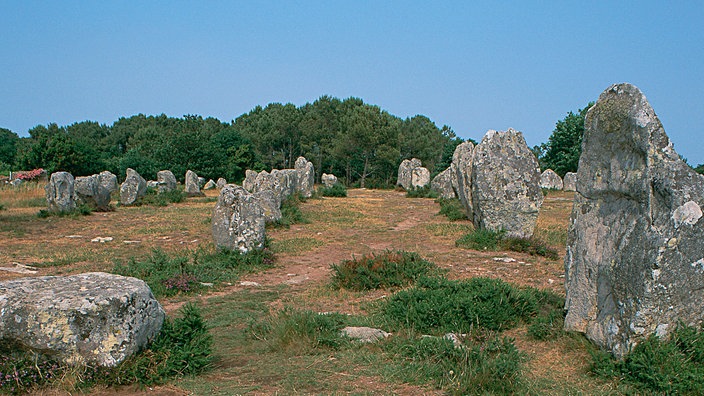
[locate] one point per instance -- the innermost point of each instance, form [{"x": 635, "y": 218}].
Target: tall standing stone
[
  {"x": 133, "y": 188},
  {"x": 306, "y": 177},
  {"x": 635, "y": 259},
  {"x": 505, "y": 184},
  {"x": 89, "y": 191},
  {"x": 550, "y": 180},
  {"x": 570, "y": 181},
  {"x": 462, "y": 165},
  {"x": 192, "y": 184},
  {"x": 238, "y": 220},
  {"x": 166, "y": 181},
  {"x": 405, "y": 172},
  {"x": 60, "y": 193},
  {"x": 328, "y": 180},
  {"x": 442, "y": 183},
  {"x": 108, "y": 180},
  {"x": 249, "y": 180}
]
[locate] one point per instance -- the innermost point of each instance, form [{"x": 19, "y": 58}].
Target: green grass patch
[
  {"x": 422, "y": 192},
  {"x": 168, "y": 275},
  {"x": 668, "y": 367},
  {"x": 389, "y": 269},
  {"x": 154, "y": 198},
  {"x": 81, "y": 210},
  {"x": 452, "y": 209},
  {"x": 337, "y": 190},
  {"x": 290, "y": 212},
  {"x": 295, "y": 245},
  {"x": 2, "y": 207},
  {"x": 483, "y": 239}
]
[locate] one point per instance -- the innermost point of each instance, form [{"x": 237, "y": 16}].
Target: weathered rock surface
[
  {"x": 635, "y": 259},
  {"x": 250, "y": 177},
  {"x": 420, "y": 177},
  {"x": 405, "y": 172},
  {"x": 166, "y": 181},
  {"x": 306, "y": 177},
  {"x": 209, "y": 185},
  {"x": 462, "y": 164},
  {"x": 271, "y": 209},
  {"x": 442, "y": 183},
  {"x": 288, "y": 182},
  {"x": 108, "y": 180},
  {"x": 569, "y": 183},
  {"x": 550, "y": 180},
  {"x": 364, "y": 334},
  {"x": 221, "y": 183},
  {"x": 328, "y": 180},
  {"x": 90, "y": 192},
  {"x": 60, "y": 193},
  {"x": 192, "y": 184},
  {"x": 238, "y": 220},
  {"x": 505, "y": 184},
  {"x": 93, "y": 318},
  {"x": 133, "y": 188}
]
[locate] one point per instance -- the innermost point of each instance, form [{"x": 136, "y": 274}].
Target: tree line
[{"x": 360, "y": 143}]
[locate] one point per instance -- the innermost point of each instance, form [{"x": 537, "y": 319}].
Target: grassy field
[{"x": 247, "y": 322}]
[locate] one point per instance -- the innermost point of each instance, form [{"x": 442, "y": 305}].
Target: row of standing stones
[{"x": 634, "y": 261}]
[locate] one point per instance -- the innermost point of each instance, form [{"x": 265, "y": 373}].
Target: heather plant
[
  {"x": 483, "y": 239},
  {"x": 421, "y": 192},
  {"x": 336, "y": 190},
  {"x": 390, "y": 269}
]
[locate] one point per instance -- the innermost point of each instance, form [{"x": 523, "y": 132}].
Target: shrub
[
  {"x": 154, "y": 198},
  {"x": 337, "y": 190},
  {"x": 452, "y": 209},
  {"x": 380, "y": 271},
  {"x": 483, "y": 239},
  {"x": 2, "y": 207},
  {"x": 674, "y": 366},
  {"x": 422, "y": 192},
  {"x": 184, "y": 272},
  {"x": 81, "y": 210}
]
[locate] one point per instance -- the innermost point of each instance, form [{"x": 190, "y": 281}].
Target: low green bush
[
  {"x": 154, "y": 198},
  {"x": 337, "y": 190},
  {"x": 483, "y": 239},
  {"x": 81, "y": 210},
  {"x": 2, "y": 207},
  {"x": 452, "y": 209},
  {"x": 290, "y": 212},
  {"x": 380, "y": 271},
  {"x": 168, "y": 275},
  {"x": 422, "y": 192},
  {"x": 668, "y": 367}
]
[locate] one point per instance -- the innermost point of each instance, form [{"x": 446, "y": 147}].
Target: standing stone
[
  {"x": 220, "y": 183},
  {"x": 269, "y": 181},
  {"x": 570, "y": 182},
  {"x": 238, "y": 220},
  {"x": 420, "y": 177},
  {"x": 108, "y": 180},
  {"x": 60, "y": 194},
  {"x": 442, "y": 183},
  {"x": 192, "y": 184},
  {"x": 550, "y": 180},
  {"x": 462, "y": 164},
  {"x": 166, "y": 181},
  {"x": 271, "y": 209},
  {"x": 405, "y": 172},
  {"x": 505, "y": 184},
  {"x": 90, "y": 192},
  {"x": 288, "y": 182},
  {"x": 328, "y": 180},
  {"x": 209, "y": 185},
  {"x": 249, "y": 180},
  {"x": 93, "y": 318},
  {"x": 133, "y": 188},
  {"x": 635, "y": 259},
  {"x": 306, "y": 177}
]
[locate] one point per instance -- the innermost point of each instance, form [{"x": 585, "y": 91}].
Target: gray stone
[
  {"x": 405, "y": 172},
  {"x": 220, "y": 183},
  {"x": 133, "y": 188},
  {"x": 442, "y": 183},
  {"x": 569, "y": 183},
  {"x": 550, "y": 180},
  {"x": 166, "y": 181},
  {"x": 270, "y": 205},
  {"x": 505, "y": 184},
  {"x": 364, "y": 334},
  {"x": 89, "y": 191},
  {"x": 462, "y": 165},
  {"x": 16, "y": 183},
  {"x": 108, "y": 180},
  {"x": 634, "y": 263},
  {"x": 306, "y": 177},
  {"x": 209, "y": 185},
  {"x": 249, "y": 179},
  {"x": 93, "y": 318},
  {"x": 238, "y": 220},
  {"x": 60, "y": 193},
  {"x": 328, "y": 180},
  {"x": 192, "y": 184},
  {"x": 287, "y": 182},
  {"x": 420, "y": 177}
]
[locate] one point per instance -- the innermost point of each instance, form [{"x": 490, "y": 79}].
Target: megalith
[
  {"x": 634, "y": 263},
  {"x": 550, "y": 180},
  {"x": 462, "y": 165},
  {"x": 89, "y": 191},
  {"x": 306, "y": 177},
  {"x": 569, "y": 182},
  {"x": 60, "y": 193},
  {"x": 442, "y": 183},
  {"x": 328, "y": 180},
  {"x": 192, "y": 184},
  {"x": 238, "y": 220},
  {"x": 108, "y": 180},
  {"x": 133, "y": 188},
  {"x": 249, "y": 180},
  {"x": 505, "y": 184},
  {"x": 405, "y": 172},
  {"x": 420, "y": 177},
  {"x": 166, "y": 181},
  {"x": 92, "y": 318}
]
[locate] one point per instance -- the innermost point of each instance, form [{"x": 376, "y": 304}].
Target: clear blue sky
[{"x": 471, "y": 65}]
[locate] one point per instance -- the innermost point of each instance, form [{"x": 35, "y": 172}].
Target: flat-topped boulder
[
  {"x": 93, "y": 318},
  {"x": 634, "y": 263}
]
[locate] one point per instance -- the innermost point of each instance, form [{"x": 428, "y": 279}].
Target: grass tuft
[
  {"x": 452, "y": 209},
  {"x": 81, "y": 210},
  {"x": 422, "y": 192},
  {"x": 381, "y": 271},
  {"x": 154, "y": 198},
  {"x": 483, "y": 239}
]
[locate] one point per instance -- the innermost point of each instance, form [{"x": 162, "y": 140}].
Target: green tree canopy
[
  {"x": 8, "y": 148},
  {"x": 562, "y": 150}
]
